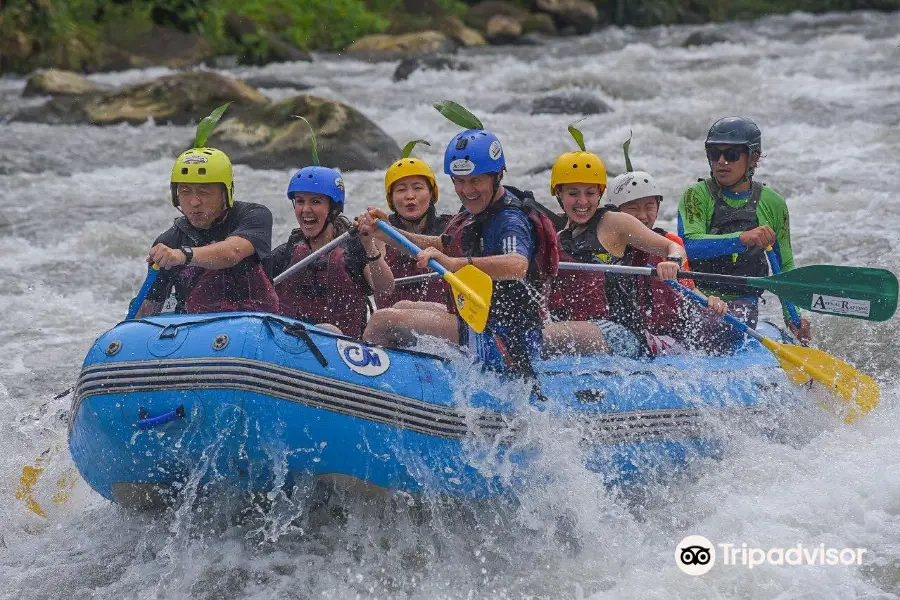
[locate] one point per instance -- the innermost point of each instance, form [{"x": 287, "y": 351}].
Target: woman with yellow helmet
[
  {"x": 412, "y": 193},
  {"x": 598, "y": 312},
  {"x": 211, "y": 257}
]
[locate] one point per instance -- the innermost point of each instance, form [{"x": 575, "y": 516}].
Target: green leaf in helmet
[
  {"x": 577, "y": 135},
  {"x": 315, "y": 146},
  {"x": 207, "y": 124},
  {"x": 458, "y": 114},
  {"x": 408, "y": 148},
  {"x": 625, "y": 148}
]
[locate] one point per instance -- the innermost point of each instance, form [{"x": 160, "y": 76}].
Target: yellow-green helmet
[
  {"x": 203, "y": 165},
  {"x": 578, "y": 167}
]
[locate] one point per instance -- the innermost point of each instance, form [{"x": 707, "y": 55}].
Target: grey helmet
[{"x": 736, "y": 130}]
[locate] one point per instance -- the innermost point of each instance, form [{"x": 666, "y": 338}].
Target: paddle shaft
[
  {"x": 314, "y": 256},
  {"x": 733, "y": 321},
  {"x": 776, "y": 268},
  {"x": 135, "y": 305}
]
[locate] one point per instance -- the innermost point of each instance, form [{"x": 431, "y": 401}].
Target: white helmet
[{"x": 631, "y": 186}]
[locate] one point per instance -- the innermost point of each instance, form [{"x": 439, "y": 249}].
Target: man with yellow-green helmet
[{"x": 210, "y": 259}]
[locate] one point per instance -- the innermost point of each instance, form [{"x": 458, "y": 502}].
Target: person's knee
[
  {"x": 329, "y": 327},
  {"x": 382, "y": 325}
]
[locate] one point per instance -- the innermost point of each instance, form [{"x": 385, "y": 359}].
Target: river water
[{"x": 79, "y": 207}]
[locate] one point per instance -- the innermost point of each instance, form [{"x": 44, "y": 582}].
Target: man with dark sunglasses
[{"x": 728, "y": 221}]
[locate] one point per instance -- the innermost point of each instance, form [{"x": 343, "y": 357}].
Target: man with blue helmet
[
  {"x": 333, "y": 290},
  {"x": 499, "y": 230}
]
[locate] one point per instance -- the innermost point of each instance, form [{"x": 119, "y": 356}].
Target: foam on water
[{"x": 80, "y": 205}]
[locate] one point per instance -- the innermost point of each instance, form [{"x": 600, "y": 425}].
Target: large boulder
[
  {"x": 55, "y": 82},
  {"x": 503, "y": 30},
  {"x": 276, "y": 83},
  {"x": 703, "y": 38},
  {"x": 408, "y": 66},
  {"x": 539, "y": 23},
  {"x": 179, "y": 99},
  {"x": 261, "y": 46},
  {"x": 573, "y": 103},
  {"x": 164, "y": 46},
  {"x": 270, "y": 137},
  {"x": 456, "y": 30},
  {"x": 382, "y": 45},
  {"x": 479, "y": 15},
  {"x": 580, "y": 14}
]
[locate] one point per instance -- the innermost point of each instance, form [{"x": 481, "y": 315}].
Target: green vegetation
[{"x": 85, "y": 35}]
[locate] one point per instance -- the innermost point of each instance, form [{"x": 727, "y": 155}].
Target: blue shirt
[{"x": 509, "y": 232}]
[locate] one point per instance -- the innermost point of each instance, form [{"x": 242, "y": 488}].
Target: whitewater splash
[{"x": 80, "y": 206}]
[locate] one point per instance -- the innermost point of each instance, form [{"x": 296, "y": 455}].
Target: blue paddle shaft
[
  {"x": 734, "y": 322},
  {"x": 408, "y": 245},
  {"x": 776, "y": 268},
  {"x": 135, "y": 305}
]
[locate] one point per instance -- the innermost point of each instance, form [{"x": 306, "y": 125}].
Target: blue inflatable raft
[{"x": 255, "y": 401}]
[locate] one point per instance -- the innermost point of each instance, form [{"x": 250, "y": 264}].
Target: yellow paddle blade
[
  {"x": 25, "y": 491},
  {"x": 472, "y": 291},
  {"x": 849, "y": 384}
]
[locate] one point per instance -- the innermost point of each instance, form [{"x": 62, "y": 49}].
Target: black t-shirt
[
  {"x": 253, "y": 222},
  {"x": 354, "y": 258}
]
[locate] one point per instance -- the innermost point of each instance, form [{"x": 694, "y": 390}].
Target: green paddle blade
[{"x": 857, "y": 292}]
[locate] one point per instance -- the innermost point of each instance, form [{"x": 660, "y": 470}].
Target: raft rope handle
[{"x": 145, "y": 422}]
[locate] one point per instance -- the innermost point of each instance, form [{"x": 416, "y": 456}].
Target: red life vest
[
  {"x": 242, "y": 287},
  {"x": 324, "y": 292},
  {"x": 581, "y": 295},
  {"x": 661, "y": 306},
  {"x": 402, "y": 264}
]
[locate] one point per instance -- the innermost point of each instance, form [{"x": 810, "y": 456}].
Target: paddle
[
  {"x": 135, "y": 305},
  {"x": 802, "y": 364},
  {"x": 302, "y": 264},
  {"x": 471, "y": 287},
  {"x": 776, "y": 269},
  {"x": 857, "y": 292}
]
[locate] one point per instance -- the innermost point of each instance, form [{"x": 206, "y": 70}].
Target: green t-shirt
[{"x": 695, "y": 212}]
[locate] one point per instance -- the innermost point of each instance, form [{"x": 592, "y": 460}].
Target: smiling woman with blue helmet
[{"x": 334, "y": 289}]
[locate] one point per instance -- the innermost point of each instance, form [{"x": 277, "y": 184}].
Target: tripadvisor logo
[{"x": 696, "y": 555}]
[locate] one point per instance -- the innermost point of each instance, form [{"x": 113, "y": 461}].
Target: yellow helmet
[
  {"x": 203, "y": 165},
  {"x": 578, "y": 167},
  {"x": 408, "y": 167}
]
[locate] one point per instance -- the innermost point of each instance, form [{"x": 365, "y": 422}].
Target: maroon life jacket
[
  {"x": 402, "y": 264},
  {"x": 324, "y": 292},
  {"x": 578, "y": 295},
  {"x": 242, "y": 287},
  {"x": 581, "y": 295}
]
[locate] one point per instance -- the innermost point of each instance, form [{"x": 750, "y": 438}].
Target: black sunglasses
[{"x": 730, "y": 154}]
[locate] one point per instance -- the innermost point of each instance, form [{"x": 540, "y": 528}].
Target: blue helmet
[
  {"x": 739, "y": 131},
  {"x": 473, "y": 152},
  {"x": 318, "y": 180}
]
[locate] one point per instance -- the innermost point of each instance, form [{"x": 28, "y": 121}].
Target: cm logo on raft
[{"x": 364, "y": 360}]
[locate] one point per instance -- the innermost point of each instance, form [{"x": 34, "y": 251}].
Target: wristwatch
[
  {"x": 188, "y": 254},
  {"x": 676, "y": 258}
]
